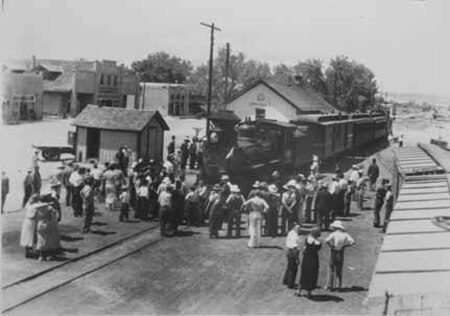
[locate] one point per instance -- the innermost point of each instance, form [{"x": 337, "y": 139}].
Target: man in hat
[
  {"x": 288, "y": 203},
  {"x": 184, "y": 152},
  {"x": 5, "y": 188},
  {"x": 27, "y": 187},
  {"x": 65, "y": 175},
  {"x": 323, "y": 207},
  {"x": 379, "y": 200},
  {"x": 234, "y": 204},
  {"x": 373, "y": 173},
  {"x": 87, "y": 196},
  {"x": 171, "y": 147},
  {"x": 55, "y": 193},
  {"x": 166, "y": 210},
  {"x": 124, "y": 199},
  {"x": 256, "y": 206},
  {"x": 337, "y": 240},
  {"x": 310, "y": 189},
  {"x": 275, "y": 178},
  {"x": 354, "y": 174},
  {"x": 388, "y": 205},
  {"x": 273, "y": 200},
  {"x": 193, "y": 153},
  {"x": 335, "y": 190},
  {"x": 255, "y": 188},
  {"x": 76, "y": 183},
  {"x": 360, "y": 190},
  {"x": 215, "y": 212},
  {"x": 315, "y": 166}
]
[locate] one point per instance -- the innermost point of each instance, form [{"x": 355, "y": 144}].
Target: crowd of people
[{"x": 159, "y": 191}]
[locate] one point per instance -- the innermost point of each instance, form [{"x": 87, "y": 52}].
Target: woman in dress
[
  {"x": 28, "y": 231},
  {"x": 110, "y": 187},
  {"x": 310, "y": 262},
  {"x": 45, "y": 230}
]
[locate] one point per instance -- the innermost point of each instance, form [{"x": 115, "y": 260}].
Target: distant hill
[{"x": 438, "y": 100}]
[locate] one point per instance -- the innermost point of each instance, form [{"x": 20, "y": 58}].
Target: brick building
[
  {"x": 167, "y": 98},
  {"x": 70, "y": 85}
]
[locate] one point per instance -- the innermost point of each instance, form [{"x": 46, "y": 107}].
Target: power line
[{"x": 211, "y": 51}]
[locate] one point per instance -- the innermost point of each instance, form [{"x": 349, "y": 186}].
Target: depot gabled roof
[
  {"x": 117, "y": 118},
  {"x": 298, "y": 95}
]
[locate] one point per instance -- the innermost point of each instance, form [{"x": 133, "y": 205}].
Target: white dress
[{"x": 28, "y": 231}]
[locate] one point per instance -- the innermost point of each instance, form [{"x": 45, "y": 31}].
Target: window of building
[
  {"x": 102, "y": 79},
  {"x": 260, "y": 114},
  {"x": 115, "y": 81},
  {"x": 108, "y": 80}
]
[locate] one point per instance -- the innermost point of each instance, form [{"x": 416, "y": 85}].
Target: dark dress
[{"x": 310, "y": 266}]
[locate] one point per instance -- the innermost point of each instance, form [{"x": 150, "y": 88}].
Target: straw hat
[
  {"x": 337, "y": 224},
  {"x": 54, "y": 183},
  {"x": 273, "y": 188},
  {"x": 276, "y": 174},
  {"x": 235, "y": 188},
  {"x": 355, "y": 167},
  {"x": 216, "y": 187},
  {"x": 256, "y": 185},
  {"x": 292, "y": 184},
  {"x": 224, "y": 177}
]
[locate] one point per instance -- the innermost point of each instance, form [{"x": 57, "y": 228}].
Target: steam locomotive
[{"x": 243, "y": 149}]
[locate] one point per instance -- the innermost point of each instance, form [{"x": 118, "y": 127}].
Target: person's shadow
[
  {"x": 325, "y": 298},
  {"x": 353, "y": 288}
]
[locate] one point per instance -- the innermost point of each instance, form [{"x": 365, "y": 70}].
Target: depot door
[{"x": 93, "y": 143}]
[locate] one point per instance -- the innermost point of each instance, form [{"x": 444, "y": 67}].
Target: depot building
[{"x": 268, "y": 99}]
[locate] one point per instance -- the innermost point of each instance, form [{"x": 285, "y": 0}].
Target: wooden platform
[{"x": 415, "y": 255}]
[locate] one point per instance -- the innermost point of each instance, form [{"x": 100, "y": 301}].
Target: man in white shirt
[
  {"x": 256, "y": 206},
  {"x": 76, "y": 183},
  {"x": 293, "y": 242},
  {"x": 337, "y": 240}
]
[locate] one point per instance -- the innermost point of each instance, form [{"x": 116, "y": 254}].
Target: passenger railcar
[{"x": 269, "y": 144}]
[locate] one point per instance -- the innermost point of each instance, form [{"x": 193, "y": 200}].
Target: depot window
[{"x": 260, "y": 114}]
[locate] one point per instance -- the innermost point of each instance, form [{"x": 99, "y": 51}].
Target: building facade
[
  {"x": 267, "y": 99},
  {"x": 70, "y": 85},
  {"x": 167, "y": 98},
  {"x": 21, "y": 96}
]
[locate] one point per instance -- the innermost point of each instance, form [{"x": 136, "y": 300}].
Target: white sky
[{"x": 405, "y": 42}]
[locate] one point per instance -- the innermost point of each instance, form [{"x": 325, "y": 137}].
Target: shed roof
[
  {"x": 299, "y": 96},
  {"x": 117, "y": 118}
]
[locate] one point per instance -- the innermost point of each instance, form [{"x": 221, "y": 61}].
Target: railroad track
[{"x": 28, "y": 289}]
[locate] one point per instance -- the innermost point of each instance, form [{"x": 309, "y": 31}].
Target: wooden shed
[{"x": 100, "y": 131}]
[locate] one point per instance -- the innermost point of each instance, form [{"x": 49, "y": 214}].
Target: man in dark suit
[{"x": 324, "y": 205}]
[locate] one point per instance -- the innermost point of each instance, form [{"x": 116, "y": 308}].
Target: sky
[{"x": 405, "y": 42}]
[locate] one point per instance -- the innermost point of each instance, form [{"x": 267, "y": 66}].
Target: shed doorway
[{"x": 93, "y": 143}]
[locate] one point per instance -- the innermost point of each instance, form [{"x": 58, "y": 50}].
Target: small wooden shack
[{"x": 100, "y": 131}]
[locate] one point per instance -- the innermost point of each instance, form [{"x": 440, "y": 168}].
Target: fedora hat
[
  {"x": 256, "y": 185},
  {"x": 337, "y": 224},
  {"x": 54, "y": 183},
  {"x": 276, "y": 174},
  {"x": 234, "y": 188},
  {"x": 224, "y": 177},
  {"x": 292, "y": 184},
  {"x": 216, "y": 187},
  {"x": 273, "y": 188}
]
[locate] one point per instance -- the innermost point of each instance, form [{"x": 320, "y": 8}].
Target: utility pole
[
  {"x": 227, "y": 62},
  {"x": 211, "y": 51}
]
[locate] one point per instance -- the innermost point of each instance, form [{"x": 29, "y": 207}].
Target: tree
[
  {"x": 312, "y": 72},
  {"x": 241, "y": 73},
  {"x": 162, "y": 67},
  {"x": 283, "y": 73},
  {"x": 350, "y": 85}
]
